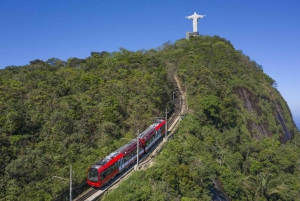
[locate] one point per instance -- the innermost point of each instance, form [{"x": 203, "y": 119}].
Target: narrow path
[{"x": 184, "y": 107}]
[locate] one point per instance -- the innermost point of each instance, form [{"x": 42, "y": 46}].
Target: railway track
[
  {"x": 87, "y": 194},
  {"x": 180, "y": 107}
]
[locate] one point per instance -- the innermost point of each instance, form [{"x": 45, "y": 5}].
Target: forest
[{"x": 238, "y": 129}]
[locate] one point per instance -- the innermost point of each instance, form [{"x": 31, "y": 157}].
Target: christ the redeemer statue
[{"x": 195, "y": 18}]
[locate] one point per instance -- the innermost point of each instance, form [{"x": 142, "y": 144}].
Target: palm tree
[{"x": 264, "y": 187}]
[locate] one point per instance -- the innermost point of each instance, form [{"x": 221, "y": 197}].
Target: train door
[{"x": 121, "y": 164}]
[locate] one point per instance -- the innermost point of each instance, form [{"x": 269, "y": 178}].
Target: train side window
[
  {"x": 108, "y": 171},
  {"x": 102, "y": 175},
  {"x": 114, "y": 167}
]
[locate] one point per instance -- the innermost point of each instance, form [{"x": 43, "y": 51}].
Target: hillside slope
[
  {"x": 239, "y": 132},
  {"x": 57, "y": 113}
]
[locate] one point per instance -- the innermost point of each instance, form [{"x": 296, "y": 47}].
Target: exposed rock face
[
  {"x": 261, "y": 129},
  {"x": 218, "y": 193}
]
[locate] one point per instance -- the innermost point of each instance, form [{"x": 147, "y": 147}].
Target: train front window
[{"x": 93, "y": 174}]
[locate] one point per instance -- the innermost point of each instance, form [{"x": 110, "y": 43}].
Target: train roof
[
  {"x": 155, "y": 126},
  {"x": 132, "y": 143}
]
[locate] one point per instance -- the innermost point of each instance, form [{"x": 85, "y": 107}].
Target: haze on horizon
[{"x": 267, "y": 31}]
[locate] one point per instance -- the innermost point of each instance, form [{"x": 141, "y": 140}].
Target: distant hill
[{"x": 237, "y": 137}]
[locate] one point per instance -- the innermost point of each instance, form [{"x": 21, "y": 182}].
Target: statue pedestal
[{"x": 191, "y": 34}]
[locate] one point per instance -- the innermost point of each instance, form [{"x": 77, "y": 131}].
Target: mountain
[
  {"x": 238, "y": 136},
  {"x": 238, "y": 140}
]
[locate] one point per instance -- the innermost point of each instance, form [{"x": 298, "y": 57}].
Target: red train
[{"x": 106, "y": 169}]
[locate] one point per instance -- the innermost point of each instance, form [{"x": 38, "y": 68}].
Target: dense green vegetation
[
  {"x": 237, "y": 129},
  {"x": 232, "y": 132},
  {"x": 57, "y": 113}
]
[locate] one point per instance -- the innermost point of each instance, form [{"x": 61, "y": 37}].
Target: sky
[{"x": 267, "y": 31}]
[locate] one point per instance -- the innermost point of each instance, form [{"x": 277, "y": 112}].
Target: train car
[{"x": 106, "y": 169}]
